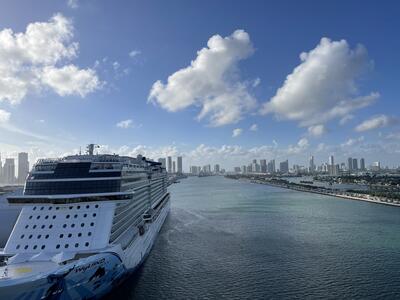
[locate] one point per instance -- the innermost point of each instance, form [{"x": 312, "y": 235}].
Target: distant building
[
  {"x": 23, "y": 167},
  {"x": 350, "y": 164},
  {"x": 163, "y": 162},
  {"x": 311, "y": 164},
  {"x": 173, "y": 167},
  {"x": 355, "y": 164},
  {"x": 331, "y": 160},
  {"x": 376, "y": 166},
  {"x": 263, "y": 165},
  {"x": 194, "y": 170},
  {"x": 216, "y": 168},
  {"x": 362, "y": 164},
  {"x": 284, "y": 167},
  {"x": 271, "y": 166},
  {"x": 243, "y": 169},
  {"x": 9, "y": 171},
  {"x": 180, "y": 166},
  {"x": 236, "y": 169},
  {"x": 169, "y": 158}
]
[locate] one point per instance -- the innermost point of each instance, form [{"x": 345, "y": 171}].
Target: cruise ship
[{"x": 86, "y": 222}]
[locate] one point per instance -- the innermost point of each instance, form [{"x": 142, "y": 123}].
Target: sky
[{"x": 214, "y": 81}]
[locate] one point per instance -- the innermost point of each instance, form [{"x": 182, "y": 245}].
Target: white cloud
[
  {"x": 393, "y": 136},
  {"x": 316, "y": 130},
  {"x": 236, "y": 132},
  {"x": 345, "y": 119},
  {"x": 352, "y": 142},
  {"x": 4, "y": 116},
  {"x": 27, "y": 58},
  {"x": 125, "y": 124},
  {"x": 300, "y": 147},
  {"x": 375, "y": 122},
  {"x": 254, "y": 127},
  {"x": 256, "y": 82},
  {"x": 211, "y": 82},
  {"x": 73, "y": 3},
  {"x": 323, "y": 86},
  {"x": 70, "y": 80},
  {"x": 134, "y": 53}
]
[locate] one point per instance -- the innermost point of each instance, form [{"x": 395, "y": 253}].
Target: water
[{"x": 227, "y": 239}]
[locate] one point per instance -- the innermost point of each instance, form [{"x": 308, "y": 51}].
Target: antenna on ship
[{"x": 90, "y": 148}]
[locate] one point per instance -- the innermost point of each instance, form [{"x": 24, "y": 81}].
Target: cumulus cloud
[
  {"x": 125, "y": 124},
  {"x": 301, "y": 145},
  {"x": 254, "y": 127},
  {"x": 375, "y": 122},
  {"x": 236, "y": 132},
  {"x": 211, "y": 82},
  {"x": 345, "y": 119},
  {"x": 352, "y": 142},
  {"x": 323, "y": 86},
  {"x": 4, "y": 116},
  {"x": 33, "y": 60},
  {"x": 73, "y": 3},
  {"x": 134, "y": 53},
  {"x": 316, "y": 130}
]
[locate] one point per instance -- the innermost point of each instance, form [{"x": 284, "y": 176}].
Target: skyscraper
[
  {"x": 179, "y": 162},
  {"x": 9, "y": 171},
  {"x": 350, "y": 164},
  {"x": 23, "y": 167},
  {"x": 173, "y": 167},
  {"x": 331, "y": 160},
  {"x": 163, "y": 162},
  {"x": 216, "y": 168},
  {"x": 284, "y": 166},
  {"x": 271, "y": 166},
  {"x": 355, "y": 164},
  {"x": 362, "y": 164},
  {"x": 263, "y": 164},
  {"x": 169, "y": 158},
  {"x": 311, "y": 164}
]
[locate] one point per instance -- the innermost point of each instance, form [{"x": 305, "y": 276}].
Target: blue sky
[{"x": 82, "y": 85}]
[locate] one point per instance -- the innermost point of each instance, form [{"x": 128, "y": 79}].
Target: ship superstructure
[{"x": 86, "y": 222}]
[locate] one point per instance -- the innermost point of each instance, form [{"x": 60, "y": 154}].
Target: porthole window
[
  {"x": 50, "y": 226},
  {"x": 76, "y": 245},
  {"x": 79, "y": 234},
  {"x": 97, "y": 206},
  {"x": 22, "y": 236},
  {"x": 26, "y": 226},
  {"x": 57, "y": 208},
  {"x": 47, "y": 236},
  {"x": 61, "y": 236},
  {"x": 67, "y": 216},
  {"x": 82, "y": 224},
  {"x": 73, "y": 225},
  {"x": 34, "y": 226},
  {"x": 78, "y": 207},
  {"x": 38, "y": 217},
  {"x": 43, "y": 226},
  {"x": 85, "y": 215},
  {"x": 34, "y": 247},
  {"x": 30, "y": 217},
  {"x": 89, "y": 233},
  {"x": 87, "y": 206},
  {"x": 39, "y": 236},
  {"x": 26, "y": 247},
  {"x": 46, "y": 217},
  {"x": 69, "y": 235},
  {"x": 75, "y": 216},
  {"x": 87, "y": 244},
  {"x": 66, "y": 246},
  {"x": 65, "y": 225},
  {"x": 42, "y": 208},
  {"x": 92, "y": 224},
  {"x": 94, "y": 215},
  {"x": 50, "y": 208},
  {"x": 30, "y": 236},
  {"x": 58, "y": 246},
  {"x": 70, "y": 207},
  {"x": 34, "y": 208},
  {"x": 43, "y": 246},
  {"x": 54, "y": 217},
  {"x": 18, "y": 246}
]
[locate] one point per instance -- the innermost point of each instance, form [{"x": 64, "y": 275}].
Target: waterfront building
[
  {"x": 236, "y": 169},
  {"x": 271, "y": 166},
  {"x": 23, "y": 167},
  {"x": 263, "y": 165},
  {"x": 376, "y": 166},
  {"x": 9, "y": 171},
  {"x": 355, "y": 164},
  {"x": 331, "y": 160},
  {"x": 350, "y": 164},
  {"x": 163, "y": 162},
  {"x": 180, "y": 166},
  {"x": 216, "y": 168},
  {"x": 362, "y": 164},
  {"x": 169, "y": 158},
  {"x": 173, "y": 167},
  {"x": 311, "y": 164},
  {"x": 284, "y": 167}
]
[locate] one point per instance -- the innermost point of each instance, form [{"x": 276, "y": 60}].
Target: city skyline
[{"x": 259, "y": 102}]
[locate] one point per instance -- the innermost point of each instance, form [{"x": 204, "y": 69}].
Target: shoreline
[{"x": 342, "y": 195}]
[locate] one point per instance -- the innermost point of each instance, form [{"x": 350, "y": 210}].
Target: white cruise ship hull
[{"x": 90, "y": 277}]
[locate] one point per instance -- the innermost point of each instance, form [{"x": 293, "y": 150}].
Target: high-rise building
[
  {"x": 169, "y": 158},
  {"x": 331, "y": 160},
  {"x": 376, "y": 166},
  {"x": 271, "y": 166},
  {"x": 243, "y": 169},
  {"x": 23, "y": 167},
  {"x": 311, "y": 164},
  {"x": 9, "y": 171},
  {"x": 263, "y": 165},
  {"x": 284, "y": 167},
  {"x": 355, "y": 164},
  {"x": 163, "y": 162},
  {"x": 350, "y": 164},
  {"x": 173, "y": 167},
  {"x": 216, "y": 168},
  {"x": 236, "y": 169},
  {"x": 362, "y": 164},
  {"x": 179, "y": 162}
]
